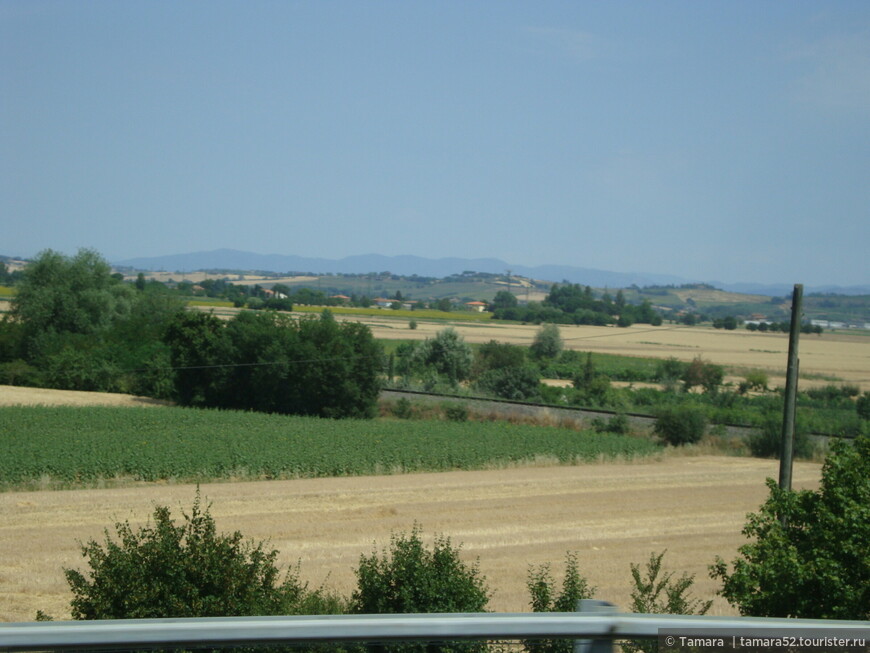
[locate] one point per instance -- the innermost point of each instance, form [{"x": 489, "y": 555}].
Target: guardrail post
[{"x": 594, "y": 645}]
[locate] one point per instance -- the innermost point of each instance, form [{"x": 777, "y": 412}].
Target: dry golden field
[
  {"x": 11, "y": 395},
  {"x": 237, "y": 279},
  {"x": 611, "y": 514},
  {"x": 843, "y": 356}
]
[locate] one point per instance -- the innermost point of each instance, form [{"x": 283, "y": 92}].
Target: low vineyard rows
[{"x": 69, "y": 445}]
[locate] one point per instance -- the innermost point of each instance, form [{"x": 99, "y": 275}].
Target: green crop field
[{"x": 71, "y": 446}]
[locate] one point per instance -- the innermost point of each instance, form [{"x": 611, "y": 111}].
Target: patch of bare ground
[
  {"x": 611, "y": 514},
  {"x": 11, "y": 395}
]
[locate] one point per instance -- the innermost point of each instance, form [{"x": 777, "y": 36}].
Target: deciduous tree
[{"x": 809, "y": 554}]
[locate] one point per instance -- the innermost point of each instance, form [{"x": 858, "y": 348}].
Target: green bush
[
  {"x": 660, "y": 593},
  {"x": 547, "y": 342},
  {"x": 456, "y": 412},
  {"x": 670, "y": 370},
  {"x": 18, "y": 372},
  {"x": 402, "y": 408},
  {"x": 831, "y": 393},
  {"x": 862, "y": 405},
  {"x": 766, "y": 441},
  {"x": 544, "y": 597},
  {"x": 807, "y": 556},
  {"x": 516, "y": 383},
  {"x": 187, "y": 570},
  {"x": 755, "y": 380},
  {"x": 678, "y": 425},
  {"x": 616, "y": 424},
  {"x": 411, "y": 578}
]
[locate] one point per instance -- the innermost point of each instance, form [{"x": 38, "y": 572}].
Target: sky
[{"x": 725, "y": 140}]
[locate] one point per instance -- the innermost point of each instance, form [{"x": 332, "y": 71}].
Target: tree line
[
  {"x": 575, "y": 304},
  {"x": 75, "y": 325}
]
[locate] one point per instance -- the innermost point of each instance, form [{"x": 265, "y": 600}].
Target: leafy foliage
[
  {"x": 409, "y": 577},
  {"x": 542, "y": 587},
  {"x": 544, "y": 597},
  {"x": 809, "y": 556},
  {"x": 515, "y": 383},
  {"x": 705, "y": 374},
  {"x": 660, "y": 593},
  {"x": 69, "y": 295},
  {"x": 84, "y": 329},
  {"x": 187, "y": 570},
  {"x": 447, "y": 355},
  {"x": 766, "y": 441},
  {"x": 679, "y": 425},
  {"x": 547, "y": 342},
  {"x": 272, "y": 363}
]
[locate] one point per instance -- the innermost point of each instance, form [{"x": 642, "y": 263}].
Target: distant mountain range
[{"x": 235, "y": 260}]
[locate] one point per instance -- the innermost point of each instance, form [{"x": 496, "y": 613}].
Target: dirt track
[{"x": 611, "y": 514}]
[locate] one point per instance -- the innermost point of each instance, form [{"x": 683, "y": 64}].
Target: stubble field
[
  {"x": 824, "y": 357},
  {"x": 611, "y": 514}
]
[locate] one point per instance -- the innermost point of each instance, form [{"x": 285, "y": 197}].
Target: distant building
[{"x": 480, "y": 307}]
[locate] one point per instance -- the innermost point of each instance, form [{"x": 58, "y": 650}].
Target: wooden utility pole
[{"x": 791, "y": 383}]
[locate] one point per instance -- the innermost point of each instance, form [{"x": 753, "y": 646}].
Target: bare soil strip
[{"x": 611, "y": 514}]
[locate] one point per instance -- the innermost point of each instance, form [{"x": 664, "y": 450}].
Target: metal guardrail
[{"x": 226, "y": 631}]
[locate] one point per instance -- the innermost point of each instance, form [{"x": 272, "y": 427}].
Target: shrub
[
  {"x": 447, "y": 355},
  {"x": 862, "y": 405},
  {"x": 517, "y": 383},
  {"x": 669, "y": 370},
  {"x": 616, "y": 424},
  {"x": 18, "y": 372},
  {"x": 754, "y": 380},
  {"x": 456, "y": 412},
  {"x": 831, "y": 393},
  {"x": 402, "y": 408},
  {"x": 547, "y": 342},
  {"x": 412, "y": 324},
  {"x": 544, "y": 598},
  {"x": 766, "y": 441},
  {"x": 658, "y": 593},
  {"x": 679, "y": 425},
  {"x": 187, "y": 570},
  {"x": 411, "y": 578},
  {"x": 807, "y": 557},
  {"x": 707, "y": 375}
]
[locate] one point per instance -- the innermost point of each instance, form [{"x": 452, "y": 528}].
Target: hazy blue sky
[{"x": 713, "y": 140}]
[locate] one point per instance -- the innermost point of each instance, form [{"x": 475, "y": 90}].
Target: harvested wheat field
[
  {"x": 841, "y": 356},
  {"x": 611, "y": 514},
  {"x": 11, "y": 395}
]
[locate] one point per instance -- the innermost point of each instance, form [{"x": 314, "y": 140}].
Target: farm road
[{"x": 611, "y": 514}]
